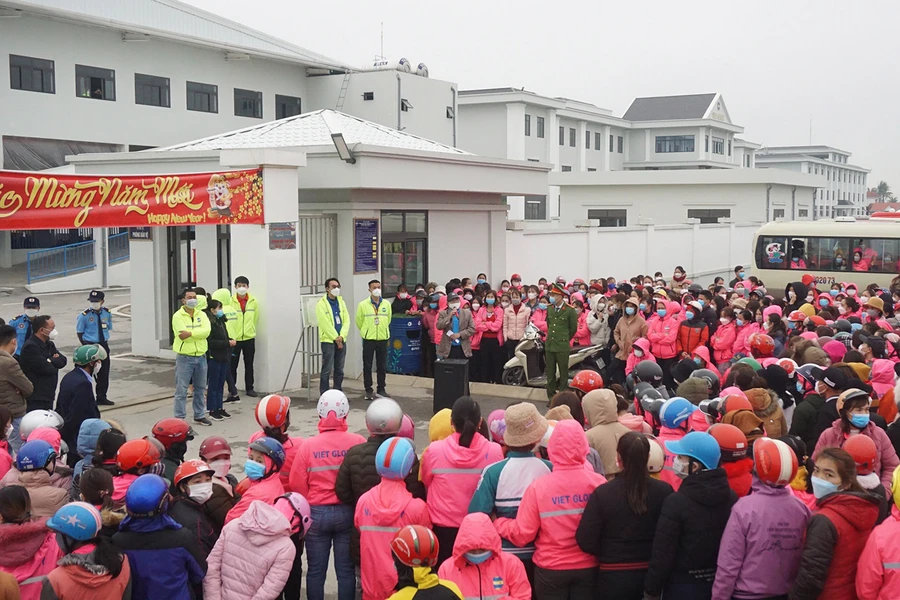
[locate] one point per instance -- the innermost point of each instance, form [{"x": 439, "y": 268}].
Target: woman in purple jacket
[{"x": 763, "y": 541}]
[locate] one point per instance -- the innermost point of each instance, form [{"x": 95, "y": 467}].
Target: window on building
[
  {"x": 598, "y": 141},
  {"x": 718, "y": 145},
  {"x": 572, "y": 137},
  {"x": 287, "y": 106},
  {"x": 535, "y": 208},
  {"x": 729, "y": 147},
  {"x": 747, "y": 160},
  {"x": 528, "y": 125},
  {"x": 591, "y": 170},
  {"x": 248, "y": 103},
  {"x": 31, "y": 74},
  {"x": 150, "y": 90},
  {"x": 587, "y": 140},
  {"x": 615, "y": 217},
  {"x": 566, "y": 169},
  {"x": 368, "y": 96},
  {"x": 202, "y": 97},
  {"x": 620, "y": 144},
  {"x": 96, "y": 83},
  {"x": 778, "y": 213},
  {"x": 612, "y": 141},
  {"x": 803, "y": 213},
  {"x": 533, "y": 160},
  {"x": 708, "y": 215},
  {"x": 540, "y": 127},
  {"x": 706, "y": 146},
  {"x": 671, "y": 143},
  {"x": 404, "y": 249},
  {"x": 562, "y": 136}
]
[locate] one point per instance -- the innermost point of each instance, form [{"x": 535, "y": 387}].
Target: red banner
[{"x": 47, "y": 201}]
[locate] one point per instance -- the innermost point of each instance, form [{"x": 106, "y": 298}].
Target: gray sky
[{"x": 778, "y": 64}]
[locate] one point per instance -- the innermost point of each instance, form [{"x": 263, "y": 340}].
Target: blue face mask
[
  {"x": 490, "y": 301},
  {"x": 739, "y": 322},
  {"x": 792, "y": 325},
  {"x": 822, "y": 488},
  {"x": 433, "y": 305},
  {"x": 254, "y": 470},
  {"x": 859, "y": 421},
  {"x": 661, "y": 312},
  {"x": 855, "y": 326},
  {"x": 643, "y": 306},
  {"x": 698, "y": 360},
  {"x": 542, "y": 306},
  {"x": 834, "y": 292},
  {"x": 800, "y": 387},
  {"x": 482, "y": 281},
  {"x": 823, "y": 302},
  {"x": 629, "y": 310},
  {"x": 476, "y": 558},
  {"x": 688, "y": 315},
  {"x": 742, "y": 275},
  {"x": 702, "y": 302},
  {"x": 611, "y": 287},
  {"x": 220, "y": 313}
]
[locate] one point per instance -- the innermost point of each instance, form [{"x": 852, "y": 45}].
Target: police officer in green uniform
[
  {"x": 93, "y": 327},
  {"x": 562, "y": 323}
]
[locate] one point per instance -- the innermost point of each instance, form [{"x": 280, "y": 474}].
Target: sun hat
[{"x": 524, "y": 425}]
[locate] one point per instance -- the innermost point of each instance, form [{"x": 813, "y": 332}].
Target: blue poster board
[{"x": 365, "y": 246}]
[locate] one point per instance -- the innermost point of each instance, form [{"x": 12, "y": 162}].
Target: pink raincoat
[
  {"x": 643, "y": 345},
  {"x": 886, "y": 460},
  {"x": 290, "y": 452},
  {"x": 539, "y": 318},
  {"x": 722, "y": 342},
  {"x": 316, "y": 465},
  {"x": 877, "y": 575},
  {"x": 663, "y": 332},
  {"x": 29, "y": 552},
  {"x": 265, "y": 490},
  {"x": 669, "y": 435}
]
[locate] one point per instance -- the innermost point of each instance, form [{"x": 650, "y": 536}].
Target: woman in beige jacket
[{"x": 605, "y": 430}]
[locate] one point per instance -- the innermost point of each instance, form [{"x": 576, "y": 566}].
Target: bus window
[
  {"x": 886, "y": 254},
  {"x": 798, "y": 253},
  {"x": 771, "y": 252},
  {"x": 828, "y": 254},
  {"x": 863, "y": 255}
]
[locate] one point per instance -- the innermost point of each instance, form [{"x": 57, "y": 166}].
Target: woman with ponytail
[{"x": 451, "y": 470}]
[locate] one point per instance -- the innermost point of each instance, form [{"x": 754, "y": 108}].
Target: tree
[{"x": 884, "y": 191}]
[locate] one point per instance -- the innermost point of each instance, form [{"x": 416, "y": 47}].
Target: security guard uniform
[
  {"x": 93, "y": 327},
  {"x": 22, "y": 323}
]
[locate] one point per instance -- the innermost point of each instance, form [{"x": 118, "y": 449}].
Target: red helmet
[
  {"x": 864, "y": 453},
  {"x": 774, "y": 461},
  {"x": 136, "y": 454},
  {"x": 171, "y": 430},
  {"x": 416, "y": 546},
  {"x": 733, "y": 402},
  {"x": 214, "y": 447},
  {"x": 788, "y": 365},
  {"x": 587, "y": 381},
  {"x": 191, "y": 467},
  {"x": 762, "y": 345},
  {"x": 731, "y": 440},
  {"x": 797, "y": 316},
  {"x": 817, "y": 320},
  {"x": 272, "y": 411}
]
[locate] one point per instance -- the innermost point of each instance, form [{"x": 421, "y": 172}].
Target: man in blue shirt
[
  {"x": 93, "y": 327},
  {"x": 22, "y": 323}
]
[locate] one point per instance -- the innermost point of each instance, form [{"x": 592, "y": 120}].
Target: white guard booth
[{"x": 394, "y": 207}]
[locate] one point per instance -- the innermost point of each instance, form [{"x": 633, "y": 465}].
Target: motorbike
[{"x": 528, "y": 367}]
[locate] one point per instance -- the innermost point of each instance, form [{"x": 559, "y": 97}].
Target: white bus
[{"x": 842, "y": 250}]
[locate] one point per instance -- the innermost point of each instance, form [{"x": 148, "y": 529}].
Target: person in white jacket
[{"x": 598, "y": 322}]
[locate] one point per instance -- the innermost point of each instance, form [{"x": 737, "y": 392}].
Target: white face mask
[
  {"x": 200, "y": 492},
  {"x": 638, "y": 353},
  {"x": 95, "y": 305},
  {"x": 97, "y": 367},
  {"x": 31, "y": 312},
  {"x": 680, "y": 467},
  {"x": 468, "y": 296},
  {"x": 242, "y": 291},
  {"x": 475, "y": 306},
  {"x": 504, "y": 304},
  {"x": 454, "y": 306},
  {"x": 376, "y": 293},
  {"x": 403, "y": 295},
  {"x": 724, "y": 321},
  {"x": 532, "y": 295},
  {"x": 841, "y": 309},
  {"x": 336, "y": 292},
  {"x": 52, "y": 335},
  {"x": 810, "y": 298},
  {"x": 221, "y": 466}
]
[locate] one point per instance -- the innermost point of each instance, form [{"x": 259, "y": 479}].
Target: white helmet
[
  {"x": 384, "y": 416},
  {"x": 333, "y": 401},
  {"x": 39, "y": 418},
  {"x": 657, "y": 457}
]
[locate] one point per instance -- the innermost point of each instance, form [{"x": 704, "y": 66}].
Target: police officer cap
[
  {"x": 96, "y": 296},
  {"x": 31, "y": 302}
]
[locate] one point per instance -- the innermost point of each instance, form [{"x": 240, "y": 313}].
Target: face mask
[
  {"x": 476, "y": 558},
  {"x": 220, "y": 313},
  {"x": 702, "y": 303},
  {"x": 52, "y": 335},
  {"x": 517, "y": 301},
  {"x": 242, "y": 291},
  {"x": 822, "y": 488},
  {"x": 859, "y": 421},
  {"x": 504, "y": 304},
  {"x": 680, "y": 467},
  {"x": 698, "y": 360},
  {"x": 739, "y": 322},
  {"x": 454, "y": 306},
  {"x": 555, "y": 299},
  {"x": 517, "y": 283},
  {"x": 834, "y": 292},
  {"x": 629, "y": 310},
  {"x": 841, "y": 309},
  {"x": 643, "y": 306},
  {"x": 475, "y": 306},
  {"x": 95, "y": 305},
  {"x": 688, "y": 315},
  {"x": 791, "y": 294},
  {"x": 200, "y": 492},
  {"x": 376, "y": 293},
  {"x": 542, "y": 306},
  {"x": 792, "y": 325},
  {"x": 872, "y": 313},
  {"x": 191, "y": 303},
  {"x": 638, "y": 353},
  {"x": 336, "y": 292},
  {"x": 97, "y": 368},
  {"x": 404, "y": 296},
  {"x": 254, "y": 470},
  {"x": 800, "y": 387},
  {"x": 795, "y": 259},
  {"x": 433, "y": 305},
  {"x": 724, "y": 321},
  {"x": 490, "y": 301},
  {"x": 661, "y": 312},
  {"x": 532, "y": 295},
  {"x": 823, "y": 302},
  {"x": 742, "y": 275},
  {"x": 31, "y": 312},
  {"x": 810, "y": 298},
  {"x": 481, "y": 281},
  {"x": 759, "y": 319},
  {"x": 611, "y": 287},
  {"x": 578, "y": 311},
  {"x": 851, "y": 292},
  {"x": 504, "y": 288},
  {"x": 468, "y": 296},
  {"x": 221, "y": 466}
]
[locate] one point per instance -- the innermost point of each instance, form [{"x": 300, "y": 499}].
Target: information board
[{"x": 365, "y": 245}]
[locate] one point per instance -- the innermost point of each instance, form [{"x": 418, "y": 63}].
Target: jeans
[
  {"x": 331, "y": 524},
  {"x": 188, "y": 368},
  {"x": 14, "y": 439},
  {"x": 332, "y": 360},
  {"x": 378, "y": 349},
  {"x": 229, "y": 379},
  {"x": 248, "y": 347},
  {"x": 215, "y": 383}
]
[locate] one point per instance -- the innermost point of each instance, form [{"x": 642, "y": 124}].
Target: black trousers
[
  {"x": 103, "y": 375},
  {"x": 492, "y": 360},
  {"x": 376, "y": 349},
  {"x": 248, "y": 348},
  {"x": 291, "y": 589},
  {"x": 621, "y": 585},
  {"x": 666, "y": 365},
  {"x": 573, "y": 584},
  {"x": 446, "y": 537},
  {"x": 616, "y": 370}
]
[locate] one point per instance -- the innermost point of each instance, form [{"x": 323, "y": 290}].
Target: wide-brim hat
[{"x": 525, "y": 426}]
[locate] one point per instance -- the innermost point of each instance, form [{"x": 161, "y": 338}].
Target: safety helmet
[
  {"x": 136, "y": 454},
  {"x": 333, "y": 401},
  {"x": 864, "y": 452},
  {"x": 761, "y": 344},
  {"x": 171, "y": 430},
  {"x": 675, "y": 411},
  {"x": 34, "y": 455},
  {"x": 496, "y": 423},
  {"x": 85, "y": 355},
  {"x": 805, "y": 373},
  {"x": 272, "y": 411},
  {"x": 147, "y": 496},
  {"x": 775, "y": 462},
  {"x": 732, "y": 441},
  {"x": 78, "y": 520},
  {"x": 416, "y": 546},
  {"x": 271, "y": 448},
  {"x": 698, "y": 445},
  {"x": 789, "y": 366},
  {"x": 851, "y": 394},
  {"x": 394, "y": 458},
  {"x": 586, "y": 381},
  {"x": 649, "y": 372},
  {"x": 383, "y": 417},
  {"x": 796, "y": 444},
  {"x": 713, "y": 382},
  {"x": 189, "y": 468},
  {"x": 797, "y": 316},
  {"x": 300, "y": 507},
  {"x": 657, "y": 457},
  {"x": 645, "y": 390},
  {"x": 39, "y": 418},
  {"x": 752, "y": 362},
  {"x": 214, "y": 447},
  {"x": 407, "y": 428},
  {"x": 733, "y": 402}
]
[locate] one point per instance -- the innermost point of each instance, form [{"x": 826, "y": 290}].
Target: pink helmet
[
  {"x": 295, "y": 509},
  {"x": 497, "y": 425},
  {"x": 407, "y": 428}
]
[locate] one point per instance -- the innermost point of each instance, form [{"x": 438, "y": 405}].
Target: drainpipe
[
  {"x": 768, "y": 203},
  {"x": 399, "y": 103},
  {"x": 794, "y": 203},
  {"x": 455, "y": 114}
]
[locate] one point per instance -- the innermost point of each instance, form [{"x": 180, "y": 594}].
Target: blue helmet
[
  {"x": 675, "y": 411},
  {"x": 698, "y": 445},
  {"x": 34, "y": 455},
  {"x": 271, "y": 448},
  {"x": 78, "y": 520},
  {"x": 395, "y": 458},
  {"x": 147, "y": 496}
]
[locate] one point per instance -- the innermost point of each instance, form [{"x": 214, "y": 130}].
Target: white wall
[{"x": 482, "y": 129}]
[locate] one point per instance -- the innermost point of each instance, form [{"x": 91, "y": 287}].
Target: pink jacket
[
  {"x": 45, "y": 499},
  {"x": 482, "y": 325},
  {"x": 667, "y": 474},
  {"x": 501, "y": 576},
  {"x": 429, "y": 319},
  {"x": 290, "y": 452},
  {"x": 552, "y": 505},
  {"x": 120, "y": 486},
  {"x": 539, "y": 318},
  {"x": 582, "y": 334},
  {"x": 380, "y": 514},
  {"x": 252, "y": 558},
  {"x": 29, "y": 551},
  {"x": 885, "y": 462},
  {"x": 703, "y": 352},
  {"x": 315, "y": 468},
  {"x": 722, "y": 342},
  {"x": 514, "y": 323},
  {"x": 882, "y": 376},
  {"x": 635, "y": 423},
  {"x": 5, "y": 458},
  {"x": 663, "y": 332},
  {"x": 643, "y": 345},
  {"x": 451, "y": 473},
  {"x": 265, "y": 490},
  {"x": 61, "y": 477},
  {"x": 741, "y": 341},
  {"x": 877, "y": 575}
]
